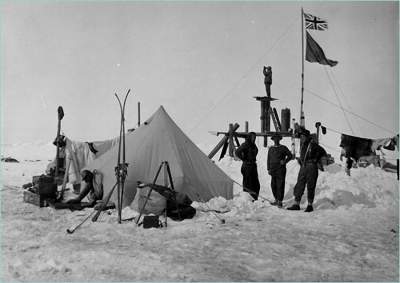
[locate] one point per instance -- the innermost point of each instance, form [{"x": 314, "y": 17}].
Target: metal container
[{"x": 285, "y": 119}]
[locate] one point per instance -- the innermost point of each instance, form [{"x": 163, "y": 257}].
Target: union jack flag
[{"x": 313, "y": 22}]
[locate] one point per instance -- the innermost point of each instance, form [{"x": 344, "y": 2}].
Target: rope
[
  {"x": 340, "y": 103},
  {"x": 331, "y": 147},
  {"x": 350, "y": 112},
  {"x": 341, "y": 92},
  {"x": 230, "y": 92},
  {"x": 330, "y": 129}
]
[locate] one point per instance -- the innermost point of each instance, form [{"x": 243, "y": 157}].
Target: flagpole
[{"x": 302, "y": 122}]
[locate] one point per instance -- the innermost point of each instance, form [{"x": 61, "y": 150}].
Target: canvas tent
[{"x": 160, "y": 139}]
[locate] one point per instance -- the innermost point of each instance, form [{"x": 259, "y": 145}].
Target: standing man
[
  {"x": 310, "y": 155},
  {"x": 267, "y": 71},
  {"x": 247, "y": 152},
  {"x": 278, "y": 156}
]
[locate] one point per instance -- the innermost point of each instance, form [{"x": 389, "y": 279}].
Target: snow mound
[{"x": 366, "y": 187}]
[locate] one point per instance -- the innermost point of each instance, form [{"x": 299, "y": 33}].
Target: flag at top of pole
[{"x": 313, "y": 22}]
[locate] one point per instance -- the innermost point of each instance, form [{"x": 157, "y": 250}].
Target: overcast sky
[{"x": 201, "y": 60}]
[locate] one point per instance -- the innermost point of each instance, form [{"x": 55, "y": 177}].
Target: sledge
[
  {"x": 37, "y": 199},
  {"x": 41, "y": 191},
  {"x": 82, "y": 205}
]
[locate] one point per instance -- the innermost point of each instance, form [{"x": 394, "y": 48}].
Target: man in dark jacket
[
  {"x": 267, "y": 71},
  {"x": 278, "y": 156},
  {"x": 247, "y": 152},
  {"x": 310, "y": 155}
]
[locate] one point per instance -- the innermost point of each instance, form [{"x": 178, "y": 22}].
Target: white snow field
[{"x": 351, "y": 236}]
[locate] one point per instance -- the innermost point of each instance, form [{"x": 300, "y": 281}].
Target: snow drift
[{"x": 351, "y": 236}]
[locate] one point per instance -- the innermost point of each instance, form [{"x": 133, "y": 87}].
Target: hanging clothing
[
  {"x": 82, "y": 153},
  {"x": 386, "y": 143},
  {"x": 356, "y": 147}
]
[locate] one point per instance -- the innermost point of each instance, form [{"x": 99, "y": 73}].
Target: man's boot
[
  {"x": 76, "y": 188},
  {"x": 295, "y": 206},
  {"x": 275, "y": 202},
  {"x": 309, "y": 208}
]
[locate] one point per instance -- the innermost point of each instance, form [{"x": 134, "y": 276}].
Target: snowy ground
[{"x": 352, "y": 235}]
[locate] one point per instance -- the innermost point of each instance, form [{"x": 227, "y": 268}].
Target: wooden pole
[
  {"x": 267, "y": 121},
  {"x": 138, "y": 105},
  {"x": 318, "y": 126},
  {"x": 58, "y": 148},
  {"x": 230, "y": 140},
  {"x": 65, "y": 180},
  {"x": 293, "y": 139},
  {"x": 262, "y": 117},
  {"x": 246, "y": 126},
  {"x": 302, "y": 121}
]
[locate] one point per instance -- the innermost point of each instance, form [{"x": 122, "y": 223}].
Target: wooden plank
[
  {"x": 36, "y": 199},
  {"x": 276, "y": 125},
  {"x": 230, "y": 140},
  {"x": 222, "y": 142},
  {"x": 277, "y": 119}
]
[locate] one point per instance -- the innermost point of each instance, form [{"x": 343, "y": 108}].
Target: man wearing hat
[
  {"x": 310, "y": 155},
  {"x": 278, "y": 156},
  {"x": 267, "y": 71}
]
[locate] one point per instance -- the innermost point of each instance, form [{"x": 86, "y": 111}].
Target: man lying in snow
[{"x": 90, "y": 188}]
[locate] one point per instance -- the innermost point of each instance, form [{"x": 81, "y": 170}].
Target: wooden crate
[{"x": 36, "y": 199}]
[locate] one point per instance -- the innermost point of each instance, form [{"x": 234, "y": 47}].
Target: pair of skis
[{"x": 121, "y": 170}]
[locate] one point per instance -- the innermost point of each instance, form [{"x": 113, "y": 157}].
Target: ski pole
[
  {"x": 104, "y": 204},
  {"x": 73, "y": 228},
  {"x": 148, "y": 195}
]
